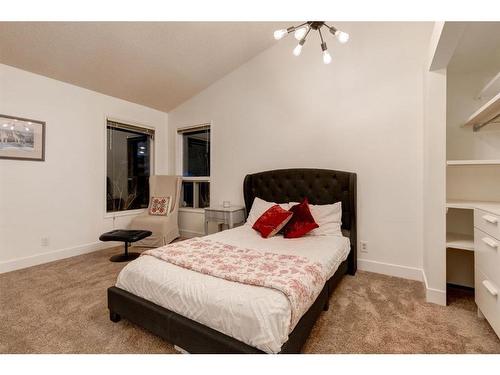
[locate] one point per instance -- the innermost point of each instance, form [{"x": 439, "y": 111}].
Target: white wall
[
  {"x": 434, "y": 192},
  {"x": 62, "y": 198},
  {"x": 362, "y": 113}
]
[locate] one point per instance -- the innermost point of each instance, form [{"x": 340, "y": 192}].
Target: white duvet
[{"x": 257, "y": 316}]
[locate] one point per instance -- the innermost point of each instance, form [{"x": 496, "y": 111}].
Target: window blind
[
  {"x": 132, "y": 128},
  {"x": 194, "y": 128}
]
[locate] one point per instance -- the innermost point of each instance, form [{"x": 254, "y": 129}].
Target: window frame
[
  {"x": 152, "y": 164},
  {"x": 179, "y": 160}
]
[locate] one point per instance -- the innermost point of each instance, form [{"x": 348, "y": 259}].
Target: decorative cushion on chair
[{"x": 159, "y": 206}]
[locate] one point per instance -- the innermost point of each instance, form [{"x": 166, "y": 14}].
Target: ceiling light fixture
[{"x": 301, "y": 32}]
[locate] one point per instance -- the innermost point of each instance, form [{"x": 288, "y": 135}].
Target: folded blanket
[{"x": 299, "y": 279}]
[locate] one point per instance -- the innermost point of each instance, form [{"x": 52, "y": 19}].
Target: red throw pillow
[
  {"x": 301, "y": 222},
  {"x": 271, "y": 221}
]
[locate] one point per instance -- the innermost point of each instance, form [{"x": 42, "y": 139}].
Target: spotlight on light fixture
[
  {"x": 341, "y": 36},
  {"x": 278, "y": 34},
  {"x": 297, "y": 50},
  {"x": 302, "y": 31},
  {"x": 327, "y": 59}
]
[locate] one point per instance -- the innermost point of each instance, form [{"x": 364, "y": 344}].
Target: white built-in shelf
[
  {"x": 493, "y": 207},
  {"x": 463, "y": 204},
  {"x": 460, "y": 241},
  {"x": 473, "y": 162},
  {"x": 491, "y": 88},
  {"x": 488, "y": 113}
]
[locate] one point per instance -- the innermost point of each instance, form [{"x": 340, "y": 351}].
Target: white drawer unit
[
  {"x": 487, "y": 266},
  {"x": 487, "y": 299},
  {"x": 487, "y": 254},
  {"x": 487, "y": 222}
]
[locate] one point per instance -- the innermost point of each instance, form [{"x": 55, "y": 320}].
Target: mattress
[{"x": 257, "y": 316}]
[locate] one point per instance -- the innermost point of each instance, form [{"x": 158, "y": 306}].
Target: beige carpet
[{"x": 60, "y": 307}]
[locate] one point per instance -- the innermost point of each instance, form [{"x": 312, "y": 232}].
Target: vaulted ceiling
[{"x": 157, "y": 64}]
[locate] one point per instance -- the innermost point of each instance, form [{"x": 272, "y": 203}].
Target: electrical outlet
[
  {"x": 44, "y": 241},
  {"x": 364, "y": 246}
]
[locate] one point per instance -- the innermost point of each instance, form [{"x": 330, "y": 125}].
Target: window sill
[
  {"x": 195, "y": 179},
  {"x": 109, "y": 215},
  {"x": 192, "y": 210}
]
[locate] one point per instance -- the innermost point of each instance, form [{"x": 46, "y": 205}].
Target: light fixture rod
[
  {"x": 291, "y": 29},
  {"x": 305, "y": 36},
  {"x": 321, "y": 37},
  {"x": 331, "y": 28}
]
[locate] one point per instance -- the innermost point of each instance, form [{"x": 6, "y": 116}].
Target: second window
[{"x": 195, "y": 164}]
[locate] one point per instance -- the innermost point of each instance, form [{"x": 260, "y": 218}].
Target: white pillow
[
  {"x": 329, "y": 219},
  {"x": 259, "y": 206}
]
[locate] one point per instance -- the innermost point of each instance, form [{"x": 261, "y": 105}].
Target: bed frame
[{"x": 320, "y": 186}]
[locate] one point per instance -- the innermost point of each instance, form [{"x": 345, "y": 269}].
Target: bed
[{"x": 205, "y": 314}]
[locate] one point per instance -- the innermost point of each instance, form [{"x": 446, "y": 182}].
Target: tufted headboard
[{"x": 320, "y": 186}]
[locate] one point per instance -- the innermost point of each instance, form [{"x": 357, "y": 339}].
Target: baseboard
[
  {"x": 434, "y": 295},
  {"x": 185, "y": 233},
  {"x": 34, "y": 260},
  {"x": 390, "y": 269}
]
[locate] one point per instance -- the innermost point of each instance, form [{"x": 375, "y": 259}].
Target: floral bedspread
[{"x": 299, "y": 279}]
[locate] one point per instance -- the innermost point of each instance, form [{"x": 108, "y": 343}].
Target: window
[
  {"x": 129, "y": 163},
  {"x": 195, "y": 166}
]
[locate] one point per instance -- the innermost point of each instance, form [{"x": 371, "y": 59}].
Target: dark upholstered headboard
[{"x": 320, "y": 186}]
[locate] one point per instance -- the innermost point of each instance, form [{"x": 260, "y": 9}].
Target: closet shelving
[
  {"x": 473, "y": 162},
  {"x": 460, "y": 241},
  {"x": 493, "y": 207},
  {"x": 487, "y": 114},
  {"x": 491, "y": 88},
  {"x": 472, "y": 185}
]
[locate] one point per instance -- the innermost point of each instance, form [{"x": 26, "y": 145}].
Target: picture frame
[{"x": 22, "y": 138}]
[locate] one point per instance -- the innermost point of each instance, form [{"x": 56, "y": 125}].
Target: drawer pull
[
  {"x": 490, "y": 287},
  {"x": 490, "y": 219},
  {"x": 491, "y": 243}
]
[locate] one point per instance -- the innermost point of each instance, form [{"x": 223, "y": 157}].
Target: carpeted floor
[{"x": 60, "y": 307}]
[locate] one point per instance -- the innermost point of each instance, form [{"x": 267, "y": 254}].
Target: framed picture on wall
[{"x": 22, "y": 138}]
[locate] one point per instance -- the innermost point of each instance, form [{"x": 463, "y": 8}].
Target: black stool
[{"x": 127, "y": 236}]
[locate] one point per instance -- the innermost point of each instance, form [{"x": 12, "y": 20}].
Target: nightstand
[{"x": 229, "y": 216}]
